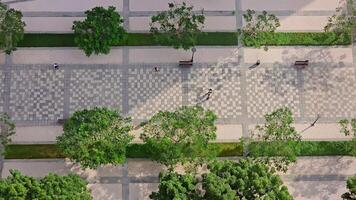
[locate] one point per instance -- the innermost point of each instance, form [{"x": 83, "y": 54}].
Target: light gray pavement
[
  {"x": 305, "y": 15},
  {"x": 310, "y": 178},
  {"x": 35, "y": 94}
]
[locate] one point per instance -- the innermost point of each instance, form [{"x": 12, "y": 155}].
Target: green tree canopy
[
  {"x": 279, "y": 137},
  {"x": 351, "y": 186},
  {"x": 20, "y": 187},
  {"x": 348, "y": 128},
  {"x": 225, "y": 180},
  {"x": 96, "y": 136},
  {"x": 256, "y": 24},
  {"x": 7, "y": 128},
  {"x": 342, "y": 21},
  {"x": 178, "y": 27},
  {"x": 175, "y": 186},
  {"x": 181, "y": 136},
  {"x": 11, "y": 28},
  {"x": 101, "y": 29}
]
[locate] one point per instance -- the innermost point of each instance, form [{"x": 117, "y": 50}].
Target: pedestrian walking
[
  {"x": 258, "y": 62},
  {"x": 156, "y": 69},
  {"x": 210, "y": 91},
  {"x": 55, "y": 66}
]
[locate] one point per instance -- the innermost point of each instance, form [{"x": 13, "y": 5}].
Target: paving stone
[
  {"x": 269, "y": 88},
  {"x": 106, "y": 191},
  {"x": 95, "y": 87},
  {"x": 37, "y": 94},
  {"x": 225, "y": 99},
  {"x": 141, "y": 191},
  {"x": 330, "y": 91},
  {"x": 150, "y": 91}
]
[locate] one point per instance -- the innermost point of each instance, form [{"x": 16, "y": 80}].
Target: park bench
[
  {"x": 301, "y": 64},
  {"x": 61, "y": 121},
  {"x": 185, "y": 63}
]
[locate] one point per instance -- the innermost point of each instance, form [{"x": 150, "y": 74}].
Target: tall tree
[
  {"x": 21, "y": 187},
  {"x": 101, "y": 29},
  {"x": 351, "y": 186},
  {"x": 7, "y": 128},
  {"x": 12, "y": 28},
  {"x": 96, "y": 136},
  {"x": 178, "y": 27},
  {"x": 281, "y": 142},
  {"x": 256, "y": 25},
  {"x": 342, "y": 22},
  {"x": 348, "y": 128},
  {"x": 181, "y": 136},
  {"x": 225, "y": 180}
]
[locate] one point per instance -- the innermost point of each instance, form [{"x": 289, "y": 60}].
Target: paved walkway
[
  {"x": 310, "y": 178},
  {"x": 34, "y": 94},
  {"x": 224, "y": 15}
]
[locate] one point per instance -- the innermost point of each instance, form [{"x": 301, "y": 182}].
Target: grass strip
[
  {"x": 307, "y": 148},
  {"x": 298, "y": 38},
  {"x": 206, "y": 38},
  {"x": 304, "y": 148},
  {"x": 133, "y": 39},
  {"x": 37, "y": 151}
]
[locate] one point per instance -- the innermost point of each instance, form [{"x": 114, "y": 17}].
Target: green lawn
[
  {"x": 34, "y": 151},
  {"x": 207, "y": 38},
  {"x": 308, "y": 148},
  {"x": 133, "y": 39},
  {"x": 299, "y": 38}
]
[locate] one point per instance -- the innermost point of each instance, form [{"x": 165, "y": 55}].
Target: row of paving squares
[
  {"x": 271, "y": 88},
  {"x": 150, "y": 91},
  {"x": 330, "y": 91},
  {"x": 38, "y": 94},
  {"x": 225, "y": 83},
  {"x": 95, "y": 87}
]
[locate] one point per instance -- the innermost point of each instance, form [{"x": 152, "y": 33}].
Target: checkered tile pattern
[
  {"x": 95, "y": 87},
  {"x": 330, "y": 91},
  {"x": 271, "y": 88},
  {"x": 150, "y": 91},
  {"x": 225, "y": 99},
  {"x": 37, "y": 94},
  {"x": 2, "y": 90}
]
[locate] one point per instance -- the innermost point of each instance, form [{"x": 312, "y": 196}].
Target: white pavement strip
[
  {"x": 288, "y": 55},
  {"x": 300, "y": 5},
  {"x": 62, "y": 5},
  {"x": 63, "y": 56},
  {"x": 310, "y": 178},
  {"x": 48, "y": 134},
  {"x": 212, "y": 23},
  {"x": 2, "y": 58},
  {"x": 159, "y": 5},
  {"x": 162, "y": 55},
  {"x": 36, "y": 134},
  {"x": 106, "y": 191},
  {"x": 302, "y": 23},
  {"x": 316, "y": 190},
  {"x": 225, "y": 133},
  {"x": 319, "y": 132},
  {"x": 52, "y": 24}
]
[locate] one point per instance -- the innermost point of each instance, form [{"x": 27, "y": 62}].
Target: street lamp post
[{"x": 193, "y": 51}]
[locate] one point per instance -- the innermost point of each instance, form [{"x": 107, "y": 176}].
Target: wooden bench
[
  {"x": 186, "y": 63},
  {"x": 61, "y": 121},
  {"x": 301, "y": 64}
]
